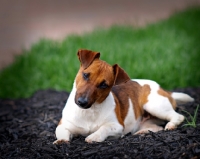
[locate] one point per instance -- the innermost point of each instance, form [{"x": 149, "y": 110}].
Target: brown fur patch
[
  {"x": 120, "y": 110},
  {"x": 144, "y": 93},
  {"x": 168, "y": 95},
  {"x": 130, "y": 90}
]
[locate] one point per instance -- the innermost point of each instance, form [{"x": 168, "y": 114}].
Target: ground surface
[
  {"x": 28, "y": 125},
  {"x": 24, "y": 22}
]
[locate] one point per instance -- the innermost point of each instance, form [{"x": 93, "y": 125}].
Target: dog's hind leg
[
  {"x": 160, "y": 107},
  {"x": 149, "y": 125}
]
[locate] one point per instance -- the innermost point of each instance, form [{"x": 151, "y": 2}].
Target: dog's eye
[
  {"x": 103, "y": 85},
  {"x": 86, "y": 76}
]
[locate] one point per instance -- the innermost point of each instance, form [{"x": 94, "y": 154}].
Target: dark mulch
[{"x": 27, "y": 129}]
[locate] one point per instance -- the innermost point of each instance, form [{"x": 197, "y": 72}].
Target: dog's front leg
[
  {"x": 109, "y": 129},
  {"x": 62, "y": 134}
]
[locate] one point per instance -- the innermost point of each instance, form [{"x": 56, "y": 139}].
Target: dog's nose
[{"x": 82, "y": 101}]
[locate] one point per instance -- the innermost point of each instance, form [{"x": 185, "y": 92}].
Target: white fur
[{"x": 152, "y": 84}]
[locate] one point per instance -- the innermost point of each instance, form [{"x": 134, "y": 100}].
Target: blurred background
[
  {"x": 24, "y": 22},
  {"x": 149, "y": 39}
]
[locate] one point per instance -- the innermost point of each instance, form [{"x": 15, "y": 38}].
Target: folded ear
[
  {"x": 86, "y": 57},
  {"x": 120, "y": 75}
]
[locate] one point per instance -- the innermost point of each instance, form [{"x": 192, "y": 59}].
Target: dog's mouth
[{"x": 84, "y": 107}]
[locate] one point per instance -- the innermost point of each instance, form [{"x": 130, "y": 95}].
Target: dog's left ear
[
  {"x": 86, "y": 57},
  {"x": 120, "y": 75}
]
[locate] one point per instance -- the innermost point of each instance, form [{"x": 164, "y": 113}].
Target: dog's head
[{"x": 95, "y": 79}]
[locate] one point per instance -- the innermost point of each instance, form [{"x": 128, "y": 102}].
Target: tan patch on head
[
  {"x": 168, "y": 95},
  {"x": 99, "y": 71},
  {"x": 95, "y": 79}
]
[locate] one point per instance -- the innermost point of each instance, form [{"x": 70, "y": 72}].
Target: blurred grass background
[{"x": 167, "y": 52}]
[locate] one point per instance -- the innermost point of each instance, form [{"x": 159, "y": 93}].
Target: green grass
[
  {"x": 167, "y": 52},
  {"x": 193, "y": 119}
]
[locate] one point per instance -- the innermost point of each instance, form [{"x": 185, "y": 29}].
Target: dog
[{"x": 105, "y": 102}]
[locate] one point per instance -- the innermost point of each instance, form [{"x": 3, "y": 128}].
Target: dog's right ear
[{"x": 86, "y": 57}]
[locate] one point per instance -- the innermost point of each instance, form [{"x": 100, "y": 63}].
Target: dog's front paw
[
  {"x": 94, "y": 138},
  {"x": 60, "y": 141}
]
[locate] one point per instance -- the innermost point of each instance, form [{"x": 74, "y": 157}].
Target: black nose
[{"x": 83, "y": 102}]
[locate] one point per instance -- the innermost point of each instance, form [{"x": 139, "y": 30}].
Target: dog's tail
[{"x": 181, "y": 98}]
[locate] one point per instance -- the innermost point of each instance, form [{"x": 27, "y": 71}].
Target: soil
[{"x": 27, "y": 130}]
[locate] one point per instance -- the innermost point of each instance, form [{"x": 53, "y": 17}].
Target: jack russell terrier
[{"x": 105, "y": 102}]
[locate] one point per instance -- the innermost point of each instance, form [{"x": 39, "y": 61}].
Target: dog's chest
[
  {"x": 86, "y": 121},
  {"x": 90, "y": 119}
]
